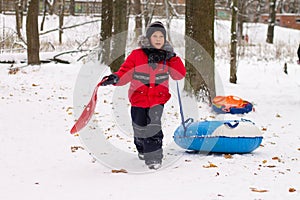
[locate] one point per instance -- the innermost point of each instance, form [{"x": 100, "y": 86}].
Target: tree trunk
[
  {"x": 32, "y": 33},
  {"x": 120, "y": 34},
  {"x": 72, "y": 7},
  {"x": 19, "y": 16},
  {"x": 272, "y": 18},
  {"x": 87, "y": 12},
  {"x": 199, "y": 52},
  {"x": 44, "y": 15},
  {"x": 240, "y": 20},
  {"x": 51, "y": 7},
  {"x": 106, "y": 30},
  {"x": 61, "y": 19},
  {"x": 146, "y": 13},
  {"x": 233, "y": 48},
  {"x": 138, "y": 18}
]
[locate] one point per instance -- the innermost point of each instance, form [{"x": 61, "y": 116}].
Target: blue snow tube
[{"x": 228, "y": 136}]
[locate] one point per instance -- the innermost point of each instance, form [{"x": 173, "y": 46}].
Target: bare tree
[
  {"x": 272, "y": 18},
  {"x": 233, "y": 49},
  {"x": 61, "y": 14},
  {"x": 248, "y": 11},
  {"x": 241, "y": 18},
  {"x": 146, "y": 12},
  {"x": 199, "y": 59},
  {"x": 106, "y": 30},
  {"x": 138, "y": 17},
  {"x": 19, "y": 17},
  {"x": 120, "y": 34},
  {"x": 32, "y": 33},
  {"x": 50, "y": 6},
  {"x": 171, "y": 12},
  {"x": 72, "y": 7}
]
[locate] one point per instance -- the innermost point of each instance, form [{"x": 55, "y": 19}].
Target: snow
[{"x": 39, "y": 104}]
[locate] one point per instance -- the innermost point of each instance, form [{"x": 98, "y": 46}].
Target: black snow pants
[{"x": 148, "y": 133}]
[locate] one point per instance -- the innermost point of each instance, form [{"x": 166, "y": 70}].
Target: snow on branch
[{"x": 69, "y": 27}]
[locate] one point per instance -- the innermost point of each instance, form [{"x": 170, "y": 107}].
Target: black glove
[
  {"x": 169, "y": 51},
  {"x": 109, "y": 80}
]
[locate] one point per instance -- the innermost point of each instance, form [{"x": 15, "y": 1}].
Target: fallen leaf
[
  {"x": 258, "y": 190},
  {"x": 271, "y": 166},
  {"x": 278, "y": 115},
  {"x": 276, "y": 158},
  {"x": 188, "y": 161},
  {"x": 108, "y": 137},
  {"x": 68, "y": 109},
  {"x": 298, "y": 149},
  {"x": 119, "y": 171},
  {"x": 292, "y": 190},
  {"x": 34, "y": 85},
  {"x": 75, "y": 148},
  {"x": 211, "y": 165},
  {"x": 264, "y": 129},
  {"x": 228, "y": 156},
  {"x": 13, "y": 70},
  {"x": 264, "y": 161}
]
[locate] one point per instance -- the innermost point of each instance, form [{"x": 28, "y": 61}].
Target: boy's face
[{"x": 157, "y": 39}]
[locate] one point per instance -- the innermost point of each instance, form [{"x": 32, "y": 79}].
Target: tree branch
[{"x": 69, "y": 27}]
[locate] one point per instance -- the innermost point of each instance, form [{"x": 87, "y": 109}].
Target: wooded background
[{"x": 199, "y": 15}]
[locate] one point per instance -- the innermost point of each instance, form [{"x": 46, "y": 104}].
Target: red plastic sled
[{"x": 88, "y": 111}]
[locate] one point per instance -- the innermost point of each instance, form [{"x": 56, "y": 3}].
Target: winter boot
[
  {"x": 141, "y": 156},
  {"x": 154, "y": 164}
]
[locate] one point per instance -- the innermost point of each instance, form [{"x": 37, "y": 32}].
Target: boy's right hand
[{"x": 109, "y": 80}]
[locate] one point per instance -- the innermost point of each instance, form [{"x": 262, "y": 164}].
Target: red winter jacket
[{"x": 148, "y": 86}]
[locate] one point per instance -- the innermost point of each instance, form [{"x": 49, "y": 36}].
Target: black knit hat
[{"x": 155, "y": 26}]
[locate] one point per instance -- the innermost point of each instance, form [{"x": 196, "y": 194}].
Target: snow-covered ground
[{"x": 39, "y": 159}]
